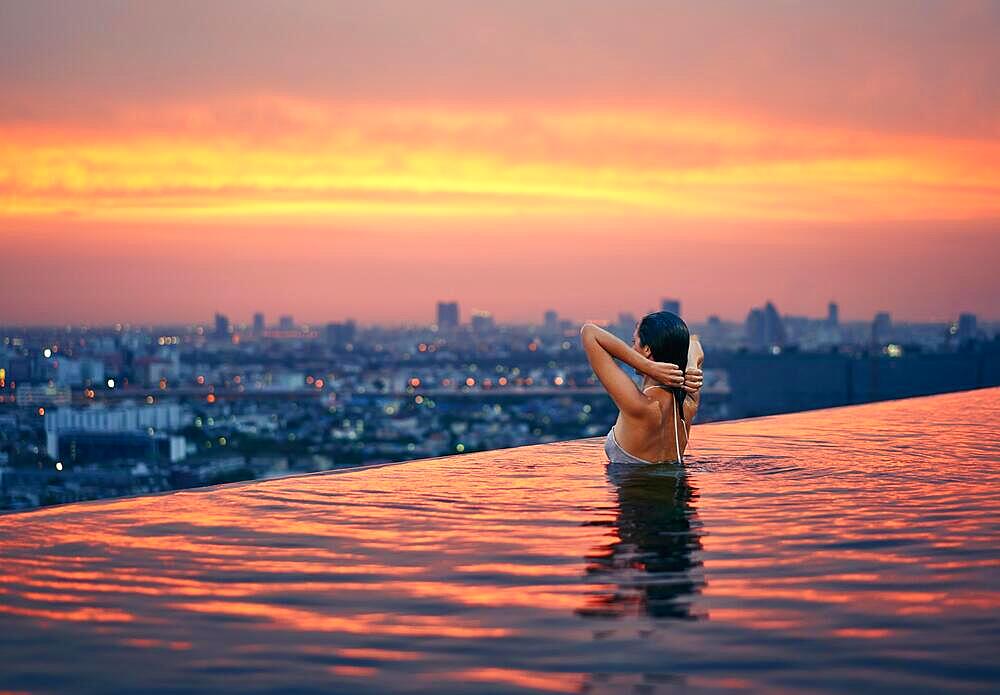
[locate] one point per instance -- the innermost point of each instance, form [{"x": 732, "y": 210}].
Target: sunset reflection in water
[{"x": 816, "y": 551}]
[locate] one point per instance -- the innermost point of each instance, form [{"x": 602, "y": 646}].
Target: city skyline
[
  {"x": 359, "y": 159},
  {"x": 221, "y": 320}
]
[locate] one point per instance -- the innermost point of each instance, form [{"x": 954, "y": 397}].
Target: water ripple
[{"x": 843, "y": 549}]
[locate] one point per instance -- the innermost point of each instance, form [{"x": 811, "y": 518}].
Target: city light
[
  {"x": 111, "y": 383},
  {"x": 59, "y": 465}
]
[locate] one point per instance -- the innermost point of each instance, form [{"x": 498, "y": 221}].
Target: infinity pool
[{"x": 848, "y": 549}]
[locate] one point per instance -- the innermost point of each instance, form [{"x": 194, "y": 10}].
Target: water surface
[{"x": 848, "y": 549}]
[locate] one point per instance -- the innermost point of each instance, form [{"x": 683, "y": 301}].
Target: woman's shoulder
[{"x": 659, "y": 396}]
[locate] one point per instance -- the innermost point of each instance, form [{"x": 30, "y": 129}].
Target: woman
[{"x": 654, "y": 420}]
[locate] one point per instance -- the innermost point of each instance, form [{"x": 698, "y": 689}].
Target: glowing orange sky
[{"x": 330, "y": 162}]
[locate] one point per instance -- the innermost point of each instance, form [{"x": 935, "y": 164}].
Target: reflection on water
[
  {"x": 650, "y": 562},
  {"x": 855, "y": 548}
]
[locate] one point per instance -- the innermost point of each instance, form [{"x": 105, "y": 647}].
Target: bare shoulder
[{"x": 654, "y": 406}]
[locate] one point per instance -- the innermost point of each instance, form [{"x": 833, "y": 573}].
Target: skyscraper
[
  {"x": 671, "y": 305},
  {"x": 881, "y": 327},
  {"x": 832, "y": 315},
  {"x": 551, "y": 321},
  {"x": 286, "y": 323},
  {"x": 967, "y": 327},
  {"x": 447, "y": 315},
  {"x": 764, "y": 328},
  {"x": 340, "y": 334},
  {"x": 774, "y": 327},
  {"x": 482, "y": 321},
  {"x": 625, "y": 327},
  {"x": 754, "y": 328},
  {"x": 221, "y": 326},
  {"x": 258, "y": 323}
]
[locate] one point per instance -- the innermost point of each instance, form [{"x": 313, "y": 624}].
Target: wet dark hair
[{"x": 667, "y": 337}]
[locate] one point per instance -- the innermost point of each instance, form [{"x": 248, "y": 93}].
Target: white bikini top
[{"x": 679, "y": 408}]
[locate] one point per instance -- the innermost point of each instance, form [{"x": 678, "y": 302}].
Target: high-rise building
[
  {"x": 764, "y": 328},
  {"x": 551, "y": 321},
  {"x": 755, "y": 328},
  {"x": 625, "y": 326},
  {"x": 881, "y": 328},
  {"x": 286, "y": 323},
  {"x": 447, "y": 315},
  {"x": 482, "y": 321},
  {"x": 714, "y": 330},
  {"x": 340, "y": 334},
  {"x": 967, "y": 327},
  {"x": 774, "y": 328},
  {"x": 258, "y": 323},
  {"x": 221, "y": 326},
  {"x": 671, "y": 305},
  {"x": 832, "y": 315}
]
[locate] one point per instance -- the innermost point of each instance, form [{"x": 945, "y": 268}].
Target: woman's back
[{"x": 654, "y": 436}]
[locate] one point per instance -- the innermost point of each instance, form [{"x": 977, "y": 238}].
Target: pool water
[{"x": 848, "y": 549}]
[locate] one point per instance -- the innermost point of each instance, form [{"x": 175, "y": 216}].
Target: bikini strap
[{"x": 677, "y": 441}]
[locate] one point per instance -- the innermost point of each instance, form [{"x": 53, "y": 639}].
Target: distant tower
[
  {"x": 625, "y": 327},
  {"x": 221, "y": 326},
  {"x": 551, "y": 321},
  {"x": 286, "y": 323},
  {"x": 258, "y": 323},
  {"x": 755, "y": 329},
  {"x": 482, "y": 321},
  {"x": 447, "y": 315},
  {"x": 832, "y": 315},
  {"x": 764, "y": 328},
  {"x": 881, "y": 327},
  {"x": 967, "y": 327},
  {"x": 671, "y": 305},
  {"x": 340, "y": 334},
  {"x": 774, "y": 327}
]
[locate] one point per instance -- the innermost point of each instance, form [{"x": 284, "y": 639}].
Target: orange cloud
[{"x": 277, "y": 158}]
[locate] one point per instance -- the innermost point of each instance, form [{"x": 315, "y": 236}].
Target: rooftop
[{"x": 847, "y": 548}]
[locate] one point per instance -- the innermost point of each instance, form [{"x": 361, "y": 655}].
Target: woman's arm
[
  {"x": 603, "y": 348},
  {"x": 693, "y": 380},
  {"x": 693, "y": 376}
]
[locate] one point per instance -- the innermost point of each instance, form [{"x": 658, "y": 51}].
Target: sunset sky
[{"x": 162, "y": 161}]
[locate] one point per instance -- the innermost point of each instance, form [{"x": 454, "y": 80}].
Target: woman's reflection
[{"x": 650, "y": 567}]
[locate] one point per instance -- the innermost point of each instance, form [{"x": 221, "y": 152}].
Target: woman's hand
[
  {"x": 665, "y": 373},
  {"x": 694, "y": 378}
]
